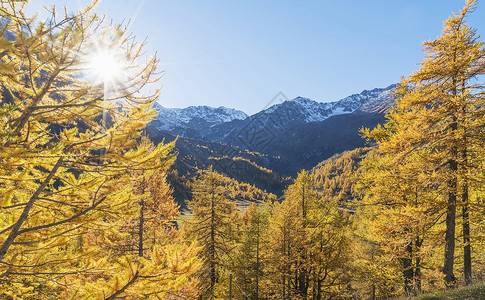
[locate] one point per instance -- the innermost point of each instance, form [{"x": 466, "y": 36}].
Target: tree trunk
[
  {"x": 257, "y": 261},
  {"x": 408, "y": 273},
  {"x": 319, "y": 289},
  {"x": 141, "y": 224},
  {"x": 417, "y": 267},
  {"x": 284, "y": 264},
  {"x": 467, "y": 255},
  {"x": 212, "y": 250},
  {"x": 303, "y": 209},
  {"x": 449, "y": 257}
]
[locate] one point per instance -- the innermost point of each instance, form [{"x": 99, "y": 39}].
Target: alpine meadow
[{"x": 107, "y": 193}]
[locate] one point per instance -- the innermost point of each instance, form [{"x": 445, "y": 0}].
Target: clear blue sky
[{"x": 240, "y": 54}]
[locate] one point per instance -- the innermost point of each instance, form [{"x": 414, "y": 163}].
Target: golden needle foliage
[{"x": 67, "y": 157}]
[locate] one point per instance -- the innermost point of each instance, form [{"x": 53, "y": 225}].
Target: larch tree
[
  {"x": 286, "y": 237},
  {"x": 249, "y": 262},
  {"x": 214, "y": 227},
  {"x": 66, "y": 155},
  {"x": 375, "y": 275},
  {"x": 443, "y": 109},
  {"x": 303, "y": 195},
  {"x": 306, "y": 245},
  {"x": 328, "y": 255},
  {"x": 401, "y": 210},
  {"x": 154, "y": 207}
]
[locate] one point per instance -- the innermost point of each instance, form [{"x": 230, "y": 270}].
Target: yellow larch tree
[
  {"x": 440, "y": 121},
  {"x": 214, "y": 227},
  {"x": 67, "y": 149}
]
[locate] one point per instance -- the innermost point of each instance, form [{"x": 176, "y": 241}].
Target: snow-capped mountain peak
[
  {"x": 198, "y": 118},
  {"x": 305, "y": 110},
  {"x": 215, "y": 124}
]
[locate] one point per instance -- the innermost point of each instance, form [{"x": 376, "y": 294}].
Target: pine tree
[
  {"x": 307, "y": 244},
  {"x": 401, "y": 210},
  {"x": 375, "y": 275},
  {"x": 328, "y": 255},
  {"x": 286, "y": 238},
  {"x": 303, "y": 195},
  {"x": 154, "y": 207}
]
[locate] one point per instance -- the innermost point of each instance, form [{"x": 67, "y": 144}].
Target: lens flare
[{"x": 106, "y": 66}]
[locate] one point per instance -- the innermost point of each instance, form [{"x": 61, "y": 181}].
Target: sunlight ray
[{"x": 135, "y": 14}]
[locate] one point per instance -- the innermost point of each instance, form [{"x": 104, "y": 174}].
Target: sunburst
[{"x": 106, "y": 66}]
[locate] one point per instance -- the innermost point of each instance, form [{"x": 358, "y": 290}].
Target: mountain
[
  {"x": 304, "y": 131},
  {"x": 305, "y": 145},
  {"x": 235, "y": 127},
  {"x": 266, "y": 148},
  {"x": 190, "y": 122},
  {"x": 304, "y": 110},
  {"x": 259, "y": 131},
  {"x": 382, "y": 101},
  {"x": 262, "y": 171}
]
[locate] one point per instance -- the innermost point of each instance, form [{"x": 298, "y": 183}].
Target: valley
[{"x": 268, "y": 148}]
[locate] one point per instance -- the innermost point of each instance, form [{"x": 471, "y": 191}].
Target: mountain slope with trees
[
  {"x": 88, "y": 189},
  {"x": 301, "y": 132}
]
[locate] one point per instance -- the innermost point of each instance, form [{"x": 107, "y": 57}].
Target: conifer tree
[
  {"x": 66, "y": 153},
  {"x": 328, "y": 255},
  {"x": 307, "y": 244},
  {"x": 286, "y": 238},
  {"x": 214, "y": 227},
  {"x": 375, "y": 275},
  {"x": 249, "y": 257},
  {"x": 303, "y": 195},
  {"x": 441, "y": 117},
  {"x": 401, "y": 210},
  {"x": 154, "y": 207}
]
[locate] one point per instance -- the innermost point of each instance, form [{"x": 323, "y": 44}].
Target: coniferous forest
[{"x": 87, "y": 206}]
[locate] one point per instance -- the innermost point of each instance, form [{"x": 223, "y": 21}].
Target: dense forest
[{"x": 87, "y": 209}]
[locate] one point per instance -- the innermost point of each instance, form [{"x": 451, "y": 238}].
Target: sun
[{"x": 106, "y": 66}]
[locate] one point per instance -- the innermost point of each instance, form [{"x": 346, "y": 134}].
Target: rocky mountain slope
[
  {"x": 263, "y": 171},
  {"x": 267, "y": 147},
  {"x": 303, "y": 131},
  {"x": 190, "y": 122},
  {"x": 236, "y": 128}
]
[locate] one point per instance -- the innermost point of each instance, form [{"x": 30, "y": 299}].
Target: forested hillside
[
  {"x": 96, "y": 203},
  {"x": 335, "y": 177}
]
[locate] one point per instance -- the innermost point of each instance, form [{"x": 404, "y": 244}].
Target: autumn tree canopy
[
  {"x": 433, "y": 138},
  {"x": 67, "y": 151}
]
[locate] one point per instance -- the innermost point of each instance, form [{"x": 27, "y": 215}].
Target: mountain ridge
[
  {"x": 273, "y": 144},
  {"x": 189, "y": 121},
  {"x": 221, "y": 124}
]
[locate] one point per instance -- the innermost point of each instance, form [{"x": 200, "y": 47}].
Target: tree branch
[{"x": 113, "y": 296}]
